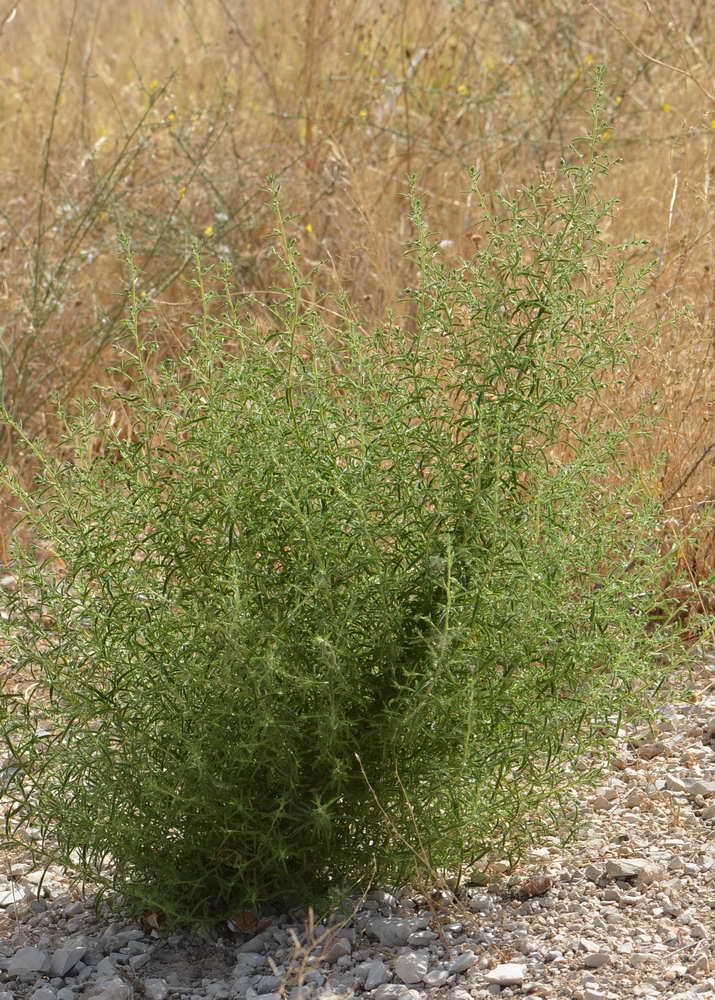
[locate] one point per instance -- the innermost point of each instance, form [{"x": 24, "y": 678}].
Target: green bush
[{"x": 346, "y": 603}]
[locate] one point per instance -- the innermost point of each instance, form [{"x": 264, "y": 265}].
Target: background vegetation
[{"x": 164, "y": 119}]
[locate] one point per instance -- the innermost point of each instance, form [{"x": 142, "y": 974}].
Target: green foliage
[{"x": 341, "y": 612}]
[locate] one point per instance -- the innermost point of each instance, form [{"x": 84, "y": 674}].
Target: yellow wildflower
[
  {"x": 171, "y": 117},
  {"x": 463, "y": 89},
  {"x": 153, "y": 85},
  {"x": 208, "y": 230},
  {"x": 362, "y": 113},
  {"x": 666, "y": 107},
  {"x": 309, "y": 228}
]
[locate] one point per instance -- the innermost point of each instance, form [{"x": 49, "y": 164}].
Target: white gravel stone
[
  {"x": 436, "y": 978},
  {"x": 156, "y": 989},
  {"x": 390, "y": 991},
  {"x": 591, "y": 993},
  {"x": 256, "y": 944},
  {"x": 481, "y": 904},
  {"x": 596, "y": 959},
  {"x": 44, "y": 993},
  {"x": 704, "y": 788},
  {"x": 336, "y": 950},
  {"x": 395, "y": 931},
  {"x": 113, "y": 989},
  {"x": 412, "y": 967},
  {"x": 247, "y": 961},
  {"x": 65, "y": 959},
  {"x": 29, "y": 960},
  {"x": 106, "y": 968},
  {"x": 675, "y": 784},
  {"x": 421, "y": 939},
  {"x": 638, "y": 959},
  {"x": 267, "y": 984},
  {"x": 508, "y": 974},
  {"x": 627, "y": 867},
  {"x": 463, "y": 962},
  {"x": 382, "y": 898},
  {"x": 377, "y": 974}
]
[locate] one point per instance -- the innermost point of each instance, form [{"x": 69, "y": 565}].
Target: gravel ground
[{"x": 627, "y": 910}]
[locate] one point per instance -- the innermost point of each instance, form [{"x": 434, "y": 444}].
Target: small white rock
[
  {"x": 593, "y": 873},
  {"x": 591, "y": 993},
  {"x": 585, "y": 944},
  {"x": 640, "y": 958},
  {"x": 337, "y": 949},
  {"x": 436, "y": 978},
  {"x": 44, "y": 993},
  {"x": 412, "y": 967},
  {"x": 509, "y": 974},
  {"x": 704, "y": 788},
  {"x": 390, "y": 991},
  {"x": 601, "y": 804},
  {"x": 64, "y": 960},
  {"x": 156, "y": 989},
  {"x": 597, "y": 959},
  {"x": 481, "y": 904},
  {"x": 422, "y": 939},
  {"x": 701, "y": 964},
  {"x": 463, "y": 962},
  {"x": 29, "y": 960},
  {"x": 623, "y": 867},
  {"x": 377, "y": 974},
  {"x": 675, "y": 784},
  {"x": 113, "y": 989},
  {"x": 395, "y": 931}
]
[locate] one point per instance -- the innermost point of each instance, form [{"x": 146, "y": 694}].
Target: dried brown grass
[{"x": 163, "y": 120}]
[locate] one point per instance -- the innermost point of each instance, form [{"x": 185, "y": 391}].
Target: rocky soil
[{"x": 627, "y": 910}]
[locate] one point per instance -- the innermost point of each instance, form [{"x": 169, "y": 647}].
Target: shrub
[{"x": 346, "y": 603}]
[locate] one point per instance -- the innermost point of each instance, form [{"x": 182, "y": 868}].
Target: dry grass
[{"x": 164, "y": 119}]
